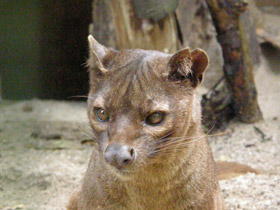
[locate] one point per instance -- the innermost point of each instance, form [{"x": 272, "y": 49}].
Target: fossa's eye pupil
[
  {"x": 155, "y": 118},
  {"x": 101, "y": 115}
]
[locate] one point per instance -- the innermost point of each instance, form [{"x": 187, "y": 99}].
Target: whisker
[
  {"x": 85, "y": 129},
  {"x": 79, "y": 96},
  {"x": 168, "y": 134},
  {"x": 88, "y": 135},
  {"x": 180, "y": 141},
  {"x": 181, "y": 138},
  {"x": 163, "y": 138},
  {"x": 84, "y": 64},
  {"x": 165, "y": 151},
  {"x": 177, "y": 141}
]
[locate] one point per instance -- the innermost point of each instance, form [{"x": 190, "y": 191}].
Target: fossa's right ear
[
  {"x": 98, "y": 55},
  {"x": 187, "y": 64}
]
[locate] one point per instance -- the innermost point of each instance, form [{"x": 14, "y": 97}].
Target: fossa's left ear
[
  {"x": 98, "y": 55},
  {"x": 186, "y": 64}
]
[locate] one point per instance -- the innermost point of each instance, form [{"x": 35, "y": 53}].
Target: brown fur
[{"x": 174, "y": 168}]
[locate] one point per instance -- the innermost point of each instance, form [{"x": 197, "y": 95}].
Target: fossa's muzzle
[{"x": 119, "y": 155}]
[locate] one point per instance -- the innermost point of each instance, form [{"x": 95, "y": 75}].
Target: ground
[{"x": 45, "y": 147}]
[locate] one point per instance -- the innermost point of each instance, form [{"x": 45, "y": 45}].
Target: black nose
[{"x": 119, "y": 155}]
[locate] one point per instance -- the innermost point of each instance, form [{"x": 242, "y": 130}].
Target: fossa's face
[{"x": 139, "y": 107}]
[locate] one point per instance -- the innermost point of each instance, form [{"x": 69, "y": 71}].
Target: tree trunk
[
  {"x": 238, "y": 68},
  {"x": 132, "y": 32},
  {"x": 103, "y": 28}
]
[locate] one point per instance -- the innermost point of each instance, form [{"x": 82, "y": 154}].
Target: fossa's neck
[{"x": 159, "y": 186}]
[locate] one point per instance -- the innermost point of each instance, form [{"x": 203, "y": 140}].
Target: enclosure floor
[{"x": 42, "y": 158}]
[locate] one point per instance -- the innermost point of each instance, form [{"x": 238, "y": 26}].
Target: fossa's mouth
[
  {"x": 121, "y": 172},
  {"x": 124, "y": 174}
]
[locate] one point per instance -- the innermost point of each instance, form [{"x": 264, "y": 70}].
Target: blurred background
[
  {"x": 43, "y": 48},
  {"x": 44, "y": 43}
]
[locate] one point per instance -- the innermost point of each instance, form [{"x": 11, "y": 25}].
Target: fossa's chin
[
  {"x": 121, "y": 173},
  {"x": 125, "y": 174}
]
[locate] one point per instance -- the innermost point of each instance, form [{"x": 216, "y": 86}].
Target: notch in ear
[
  {"x": 186, "y": 64},
  {"x": 98, "y": 55}
]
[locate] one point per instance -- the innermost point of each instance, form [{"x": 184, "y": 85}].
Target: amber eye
[
  {"x": 101, "y": 115},
  {"x": 155, "y": 118}
]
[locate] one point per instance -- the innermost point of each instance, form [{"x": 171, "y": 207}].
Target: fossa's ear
[
  {"x": 98, "y": 55},
  {"x": 186, "y": 64}
]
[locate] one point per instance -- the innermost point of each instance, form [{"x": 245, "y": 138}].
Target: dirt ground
[{"x": 45, "y": 147}]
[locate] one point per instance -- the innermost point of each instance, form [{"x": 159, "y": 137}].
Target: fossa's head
[{"x": 141, "y": 103}]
